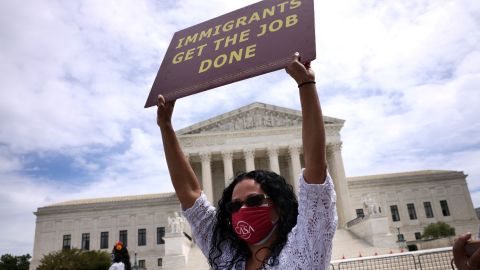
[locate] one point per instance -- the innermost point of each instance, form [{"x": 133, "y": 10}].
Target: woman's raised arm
[
  {"x": 183, "y": 178},
  {"x": 313, "y": 130}
]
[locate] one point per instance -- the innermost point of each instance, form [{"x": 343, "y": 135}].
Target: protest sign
[{"x": 250, "y": 41}]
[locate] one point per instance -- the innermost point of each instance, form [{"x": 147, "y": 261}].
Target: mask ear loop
[
  {"x": 276, "y": 210},
  {"x": 275, "y": 223},
  {"x": 264, "y": 240}
]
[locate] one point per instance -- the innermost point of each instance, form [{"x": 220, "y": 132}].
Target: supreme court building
[{"x": 373, "y": 211}]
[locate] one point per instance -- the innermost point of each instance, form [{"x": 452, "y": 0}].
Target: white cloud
[
  {"x": 393, "y": 45},
  {"x": 140, "y": 169},
  {"x": 19, "y": 198},
  {"x": 9, "y": 163}
]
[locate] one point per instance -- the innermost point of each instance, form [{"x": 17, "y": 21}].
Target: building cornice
[
  {"x": 404, "y": 178},
  {"x": 256, "y": 116},
  {"x": 102, "y": 204}
]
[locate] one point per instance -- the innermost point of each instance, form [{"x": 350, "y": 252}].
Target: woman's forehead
[{"x": 245, "y": 188}]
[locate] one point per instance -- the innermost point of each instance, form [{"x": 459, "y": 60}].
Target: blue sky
[{"x": 74, "y": 76}]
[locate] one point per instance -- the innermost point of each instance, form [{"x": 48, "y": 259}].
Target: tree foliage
[
  {"x": 9, "y": 262},
  {"x": 438, "y": 230},
  {"x": 75, "y": 259}
]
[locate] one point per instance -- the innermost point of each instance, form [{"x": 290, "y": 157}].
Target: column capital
[
  {"x": 249, "y": 153},
  {"x": 227, "y": 154},
  {"x": 249, "y": 159},
  {"x": 334, "y": 147},
  {"x": 273, "y": 150},
  {"x": 227, "y": 166},
  {"x": 273, "y": 158},
  {"x": 294, "y": 149},
  {"x": 205, "y": 156}
]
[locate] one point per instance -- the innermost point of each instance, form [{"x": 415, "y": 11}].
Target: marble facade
[
  {"x": 129, "y": 214},
  {"x": 424, "y": 192}
]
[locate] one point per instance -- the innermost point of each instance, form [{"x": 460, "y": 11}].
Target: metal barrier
[
  {"x": 440, "y": 260},
  {"x": 433, "y": 259},
  {"x": 397, "y": 262}
]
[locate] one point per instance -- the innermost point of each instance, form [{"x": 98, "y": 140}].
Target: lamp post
[
  {"x": 401, "y": 240},
  {"x": 135, "y": 265}
]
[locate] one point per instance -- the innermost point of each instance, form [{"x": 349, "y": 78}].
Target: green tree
[
  {"x": 438, "y": 230},
  {"x": 75, "y": 259},
  {"x": 9, "y": 262}
]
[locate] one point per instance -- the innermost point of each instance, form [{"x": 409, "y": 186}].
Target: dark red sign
[{"x": 251, "y": 41}]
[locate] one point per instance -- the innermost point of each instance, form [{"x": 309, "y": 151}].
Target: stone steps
[
  {"x": 347, "y": 245},
  {"x": 196, "y": 259}
]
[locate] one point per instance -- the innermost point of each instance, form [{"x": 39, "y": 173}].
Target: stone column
[
  {"x": 337, "y": 171},
  {"x": 207, "y": 175},
  {"x": 227, "y": 166},
  {"x": 273, "y": 158},
  {"x": 294, "y": 152},
  {"x": 249, "y": 159}
]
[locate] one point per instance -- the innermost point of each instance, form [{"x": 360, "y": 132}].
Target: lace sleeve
[
  {"x": 201, "y": 217},
  {"x": 309, "y": 244}
]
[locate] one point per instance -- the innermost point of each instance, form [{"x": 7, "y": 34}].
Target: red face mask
[{"x": 253, "y": 224}]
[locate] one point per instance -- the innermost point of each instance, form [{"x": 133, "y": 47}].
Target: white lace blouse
[{"x": 309, "y": 244}]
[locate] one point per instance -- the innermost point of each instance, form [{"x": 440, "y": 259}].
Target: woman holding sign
[{"x": 259, "y": 224}]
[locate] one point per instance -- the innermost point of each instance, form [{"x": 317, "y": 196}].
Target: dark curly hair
[
  {"x": 122, "y": 256},
  {"x": 282, "y": 194}
]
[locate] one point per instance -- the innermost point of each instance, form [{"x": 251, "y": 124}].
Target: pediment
[{"x": 254, "y": 116}]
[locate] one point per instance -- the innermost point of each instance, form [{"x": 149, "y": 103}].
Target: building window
[
  {"x": 400, "y": 237},
  {"x": 160, "y": 262},
  {"x": 160, "y": 235},
  {"x": 123, "y": 237},
  {"x": 359, "y": 212},
  {"x": 418, "y": 236},
  {"x": 428, "y": 209},
  {"x": 85, "y": 241},
  {"x": 103, "y": 240},
  {"x": 445, "y": 210},
  {"x": 141, "y": 263},
  {"x": 395, "y": 213},
  {"x": 67, "y": 242},
  {"x": 142, "y": 237},
  {"x": 411, "y": 211}
]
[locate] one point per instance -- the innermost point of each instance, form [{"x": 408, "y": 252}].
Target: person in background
[
  {"x": 259, "y": 223},
  {"x": 120, "y": 258}
]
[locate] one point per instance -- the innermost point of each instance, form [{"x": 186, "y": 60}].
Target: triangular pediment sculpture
[{"x": 251, "y": 117}]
